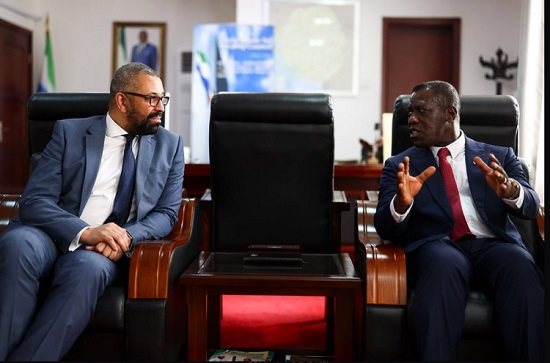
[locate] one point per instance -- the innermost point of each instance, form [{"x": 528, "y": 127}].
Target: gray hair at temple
[{"x": 125, "y": 78}]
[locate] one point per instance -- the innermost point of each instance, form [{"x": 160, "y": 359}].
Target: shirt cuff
[
  {"x": 518, "y": 202},
  {"x": 396, "y": 216},
  {"x": 75, "y": 243}
]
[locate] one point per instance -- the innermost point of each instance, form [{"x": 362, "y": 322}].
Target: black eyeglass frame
[{"x": 164, "y": 99}]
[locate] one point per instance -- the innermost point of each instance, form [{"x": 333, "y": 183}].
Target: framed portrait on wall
[
  {"x": 139, "y": 42},
  {"x": 316, "y": 45}
]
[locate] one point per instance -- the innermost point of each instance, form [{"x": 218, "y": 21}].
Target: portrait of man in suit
[{"x": 145, "y": 52}]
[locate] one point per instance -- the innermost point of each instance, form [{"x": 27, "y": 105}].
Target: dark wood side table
[
  {"x": 214, "y": 274},
  {"x": 353, "y": 179}
]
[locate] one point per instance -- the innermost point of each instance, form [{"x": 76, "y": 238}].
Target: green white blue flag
[
  {"x": 203, "y": 67},
  {"x": 47, "y": 80},
  {"x": 122, "y": 58}
]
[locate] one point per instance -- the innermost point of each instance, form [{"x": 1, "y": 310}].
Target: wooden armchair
[{"x": 382, "y": 265}]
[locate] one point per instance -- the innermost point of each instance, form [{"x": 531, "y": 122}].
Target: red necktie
[{"x": 460, "y": 227}]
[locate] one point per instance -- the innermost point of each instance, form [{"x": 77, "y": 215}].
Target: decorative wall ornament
[{"x": 499, "y": 68}]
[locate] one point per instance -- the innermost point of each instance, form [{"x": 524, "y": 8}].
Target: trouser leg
[
  {"x": 441, "y": 275},
  {"x": 80, "y": 278},
  {"x": 512, "y": 276},
  {"x": 27, "y": 256}
]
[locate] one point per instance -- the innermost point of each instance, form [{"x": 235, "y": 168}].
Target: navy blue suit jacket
[
  {"x": 148, "y": 55},
  {"x": 63, "y": 179},
  {"x": 430, "y": 216}
]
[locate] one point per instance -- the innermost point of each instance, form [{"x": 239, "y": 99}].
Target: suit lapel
[
  {"x": 477, "y": 183},
  {"x": 434, "y": 185},
  {"x": 147, "y": 144},
  {"x": 94, "y": 147}
]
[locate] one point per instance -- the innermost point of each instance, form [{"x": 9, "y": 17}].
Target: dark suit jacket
[
  {"x": 430, "y": 217},
  {"x": 63, "y": 179},
  {"x": 148, "y": 55}
]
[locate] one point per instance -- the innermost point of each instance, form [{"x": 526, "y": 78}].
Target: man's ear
[
  {"x": 121, "y": 102},
  {"x": 451, "y": 113}
]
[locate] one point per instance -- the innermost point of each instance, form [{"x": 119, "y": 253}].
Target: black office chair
[
  {"x": 144, "y": 316},
  {"x": 387, "y": 334},
  {"x": 272, "y": 172}
]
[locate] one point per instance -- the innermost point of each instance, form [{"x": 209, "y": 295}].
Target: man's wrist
[
  {"x": 514, "y": 186},
  {"x": 130, "y": 245}
]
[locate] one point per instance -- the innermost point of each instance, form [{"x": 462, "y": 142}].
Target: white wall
[
  {"x": 486, "y": 25},
  {"x": 81, "y": 32}
]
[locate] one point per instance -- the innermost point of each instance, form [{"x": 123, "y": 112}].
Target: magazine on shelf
[{"x": 230, "y": 355}]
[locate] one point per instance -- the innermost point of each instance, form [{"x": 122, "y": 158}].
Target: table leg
[
  {"x": 213, "y": 316},
  {"x": 329, "y": 318},
  {"x": 196, "y": 324},
  {"x": 343, "y": 325}
]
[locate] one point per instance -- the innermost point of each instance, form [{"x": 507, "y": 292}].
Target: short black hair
[{"x": 445, "y": 94}]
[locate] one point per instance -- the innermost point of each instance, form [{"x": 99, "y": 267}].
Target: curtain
[{"x": 531, "y": 92}]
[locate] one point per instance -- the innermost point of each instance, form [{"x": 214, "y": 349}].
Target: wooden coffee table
[{"x": 214, "y": 274}]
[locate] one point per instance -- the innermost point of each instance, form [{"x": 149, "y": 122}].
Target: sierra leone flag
[
  {"x": 203, "y": 67},
  {"x": 47, "y": 80},
  {"x": 122, "y": 58}
]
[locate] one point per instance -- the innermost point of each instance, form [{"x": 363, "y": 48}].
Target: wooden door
[
  {"x": 417, "y": 50},
  {"x": 15, "y": 90}
]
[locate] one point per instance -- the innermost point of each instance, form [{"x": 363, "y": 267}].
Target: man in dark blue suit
[
  {"x": 61, "y": 233},
  {"x": 414, "y": 210},
  {"x": 145, "y": 52}
]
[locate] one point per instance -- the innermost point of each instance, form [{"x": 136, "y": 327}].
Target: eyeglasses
[{"x": 153, "y": 100}]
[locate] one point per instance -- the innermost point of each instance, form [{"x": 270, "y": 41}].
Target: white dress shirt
[{"x": 100, "y": 202}]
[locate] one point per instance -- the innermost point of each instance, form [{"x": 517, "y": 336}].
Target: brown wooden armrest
[
  {"x": 385, "y": 268},
  {"x": 150, "y": 262}
]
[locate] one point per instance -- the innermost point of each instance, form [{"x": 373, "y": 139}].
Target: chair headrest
[
  {"x": 44, "y": 109},
  {"x": 272, "y": 107},
  {"x": 49, "y": 106},
  {"x": 493, "y": 119}
]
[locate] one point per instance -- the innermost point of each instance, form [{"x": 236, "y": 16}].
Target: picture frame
[
  {"x": 323, "y": 56},
  {"x": 126, "y": 35}
]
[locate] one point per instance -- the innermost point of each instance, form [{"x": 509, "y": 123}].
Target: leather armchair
[
  {"x": 272, "y": 172},
  {"x": 387, "y": 335},
  {"x": 143, "y": 316}
]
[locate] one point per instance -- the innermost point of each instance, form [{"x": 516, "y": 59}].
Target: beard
[{"x": 143, "y": 127}]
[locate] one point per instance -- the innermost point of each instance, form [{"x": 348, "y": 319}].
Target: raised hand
[
  {"x": 496, "y": 177},
  {"x": 408, "y": 186}
]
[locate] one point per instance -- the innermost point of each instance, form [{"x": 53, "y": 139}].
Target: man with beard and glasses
[{"x": 65, "y": 231}]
